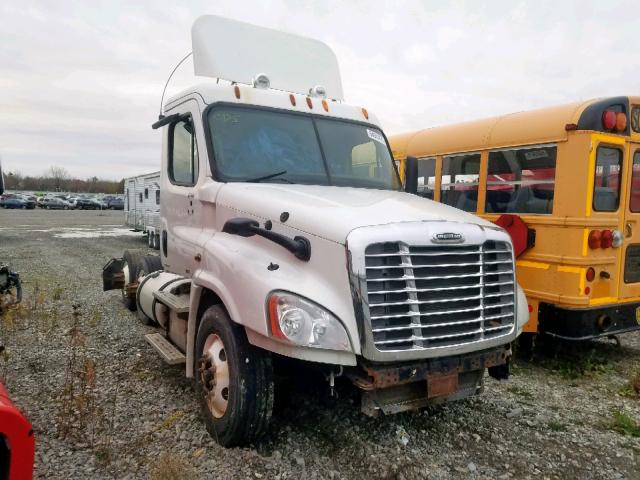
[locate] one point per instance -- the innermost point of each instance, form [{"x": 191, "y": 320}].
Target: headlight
[{"x": 304, "y": 323}]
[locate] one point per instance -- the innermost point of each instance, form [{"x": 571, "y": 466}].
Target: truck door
[
  {"x": 630, "y": 274},
  {"x": 180, "y": 211}
]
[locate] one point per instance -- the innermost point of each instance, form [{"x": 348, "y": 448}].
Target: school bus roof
[{"x": 521, "y": 128}]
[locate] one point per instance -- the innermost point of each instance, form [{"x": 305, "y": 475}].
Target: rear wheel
[
  {"x": 131, "y": 262},
  {"x": 234, "y": 380}
]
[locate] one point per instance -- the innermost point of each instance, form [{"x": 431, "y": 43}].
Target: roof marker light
[
  {"x": 365, "y": 113},
  {"x": 236, "y": 90},
  {"x": 309, "y": 102},
  {"x": 292, "y": 99}
]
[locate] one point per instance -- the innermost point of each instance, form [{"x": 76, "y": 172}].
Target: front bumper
[
  {"x": 587, "y": 324},
  {"x": 393, "y": 388}
]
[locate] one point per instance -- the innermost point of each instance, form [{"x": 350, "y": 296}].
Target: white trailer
[
  {"x": 285, "y": 232},
  {"x": 142, "y": 206}
]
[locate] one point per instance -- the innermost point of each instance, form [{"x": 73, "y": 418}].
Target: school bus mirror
[{"x": 411, "y": 175}]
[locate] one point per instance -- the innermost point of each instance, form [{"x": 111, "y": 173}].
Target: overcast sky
[{"x": 80, "y": 82}]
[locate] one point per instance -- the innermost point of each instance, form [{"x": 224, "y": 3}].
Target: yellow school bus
[{"x": 565, "y": 182}]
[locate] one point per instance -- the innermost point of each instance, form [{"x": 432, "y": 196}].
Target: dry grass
[{"x": 171, "y": 466}]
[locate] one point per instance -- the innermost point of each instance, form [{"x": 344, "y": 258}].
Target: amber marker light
[
  {"x": 309, "y": 102},
  {"x": 365, "y": 113},
  {"x": 292, "y": 99},
  {"x": 325, "y": 105},
  {"x": 236, "y": 90}
]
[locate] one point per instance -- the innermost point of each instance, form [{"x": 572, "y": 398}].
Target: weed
[
  {"x": 57, "y": 293},
  {"x": 171, "y": 466},
  {"x": 78, "y": 412},
  {"x": 634, "y": 382},
  {"x": 557, "y": 426},
  {"x": 520, "y": 392},
  {"x": 625, "y": 424}
]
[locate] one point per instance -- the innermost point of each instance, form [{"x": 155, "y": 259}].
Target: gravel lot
[{"x": 103, "y": 404}]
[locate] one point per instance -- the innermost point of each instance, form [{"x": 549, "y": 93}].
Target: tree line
[{"x": 58, "y": 179}]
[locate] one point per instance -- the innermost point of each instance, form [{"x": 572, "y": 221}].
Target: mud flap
[{"x": 112, "y": 275}]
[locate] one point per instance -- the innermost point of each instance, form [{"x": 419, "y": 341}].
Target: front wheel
[{"x": 234, "y": 380}]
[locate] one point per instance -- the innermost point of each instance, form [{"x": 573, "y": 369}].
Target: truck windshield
[{"x": 251, "y": 144}]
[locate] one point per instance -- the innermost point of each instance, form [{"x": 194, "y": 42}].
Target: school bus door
[{"x": 630, "y": 260}]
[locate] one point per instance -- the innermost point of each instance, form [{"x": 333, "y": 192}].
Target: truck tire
[
  {"x": 150, "y": 239},
  {"x": 234, "y": 380},
  {"x": 131, "y": 260}
]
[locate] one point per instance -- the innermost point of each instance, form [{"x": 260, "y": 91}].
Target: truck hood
[{"x": 333, "y": 212}]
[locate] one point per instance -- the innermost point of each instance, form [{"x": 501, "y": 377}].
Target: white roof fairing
[{"x": 238, "y": 51}]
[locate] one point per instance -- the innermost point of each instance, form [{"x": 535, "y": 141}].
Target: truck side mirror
[{"x": 411, "y": 175}]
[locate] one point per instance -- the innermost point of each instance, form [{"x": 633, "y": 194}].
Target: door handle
[{"x": 628, "y": 229}]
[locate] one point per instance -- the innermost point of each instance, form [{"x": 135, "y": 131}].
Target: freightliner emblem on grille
[{"x": 447, "y": 237}]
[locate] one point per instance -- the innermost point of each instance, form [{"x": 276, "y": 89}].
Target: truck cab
[{"x": 285, "y": 232}]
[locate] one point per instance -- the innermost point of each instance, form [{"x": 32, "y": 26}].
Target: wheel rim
[{"x": 214, "y": 375}]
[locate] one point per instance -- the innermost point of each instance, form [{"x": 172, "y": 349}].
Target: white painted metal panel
[{"x": 238, "y": 51}]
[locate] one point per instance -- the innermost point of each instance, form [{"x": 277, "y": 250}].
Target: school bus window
[
  {"x": 460, "y": 175},
  {"x": 521, "y": 180},
  {"x": 635, "y": 119},
  {"x": 426, "y": 177},
  {"x": 634, "y": 196},
  {"x": 606, "y": 187}
]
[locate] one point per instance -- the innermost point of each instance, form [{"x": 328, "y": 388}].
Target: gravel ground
[{"x": 103, "y": 405}]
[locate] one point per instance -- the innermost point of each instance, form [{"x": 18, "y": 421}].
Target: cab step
[
  {"x": 169, "y": 353},
  {"x": 177, "y": 303}
]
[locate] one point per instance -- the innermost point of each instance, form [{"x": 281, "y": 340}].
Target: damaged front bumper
[{"x": 409, "y": 386}]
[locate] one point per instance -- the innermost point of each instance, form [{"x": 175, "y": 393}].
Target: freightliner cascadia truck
[{"x": 285, "y": 232}]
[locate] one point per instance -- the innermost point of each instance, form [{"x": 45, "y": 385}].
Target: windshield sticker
[
  {"x": 534, "y": 154},
  {"x": 373, "y": 135}
]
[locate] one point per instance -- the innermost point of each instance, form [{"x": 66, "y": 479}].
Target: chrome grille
[{"x": 422, "y": 297}]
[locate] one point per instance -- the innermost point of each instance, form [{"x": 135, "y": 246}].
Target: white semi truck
[{"x": 285, "y": 232}]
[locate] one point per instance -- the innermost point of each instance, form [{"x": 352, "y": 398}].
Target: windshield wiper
[{"x": 270, "y": 176}]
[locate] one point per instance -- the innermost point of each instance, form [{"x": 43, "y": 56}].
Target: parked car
[
  {"x": 55, "y": 203},
  {"x": 116, "y": 204},
  {"x": 88, "y": 204},
  {"x": 12, "y": 200}
]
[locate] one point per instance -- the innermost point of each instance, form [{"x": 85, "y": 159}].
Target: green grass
[
  {"x": 625, "y": 424},
  {"x": 557, "y": 426},
  {"x": 520, "y": 392}
]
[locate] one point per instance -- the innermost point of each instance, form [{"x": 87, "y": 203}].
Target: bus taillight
[
  {"x": 606, "y": 239},
  {"x": 603, "y": 239},
  {"x": 621, "y": 122},
  {"x": 591, "y": 274}
]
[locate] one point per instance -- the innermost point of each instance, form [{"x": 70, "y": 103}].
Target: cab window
[
  {"x": 460, "y": 174},
  {"x": 183, "y": 157},
  {"x": 426, "y": 177},
  {"x": 521, "y": 180},
  {"x": 606, "y": 185}
]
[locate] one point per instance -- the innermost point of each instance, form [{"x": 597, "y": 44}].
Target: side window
[
  {"x": 426, "y": 177},
  {"x": 146, "y": 193},
  {"x": 635, "y": 119},
  {"x": 183, "y": 154},
  {"x": 606, "y": 185},
  {"x": 460, "y": 175},
  {"x": 157, "y": 197},
  {"x": 521, "y": 180},
  {"x": 140, "y": 197}
]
